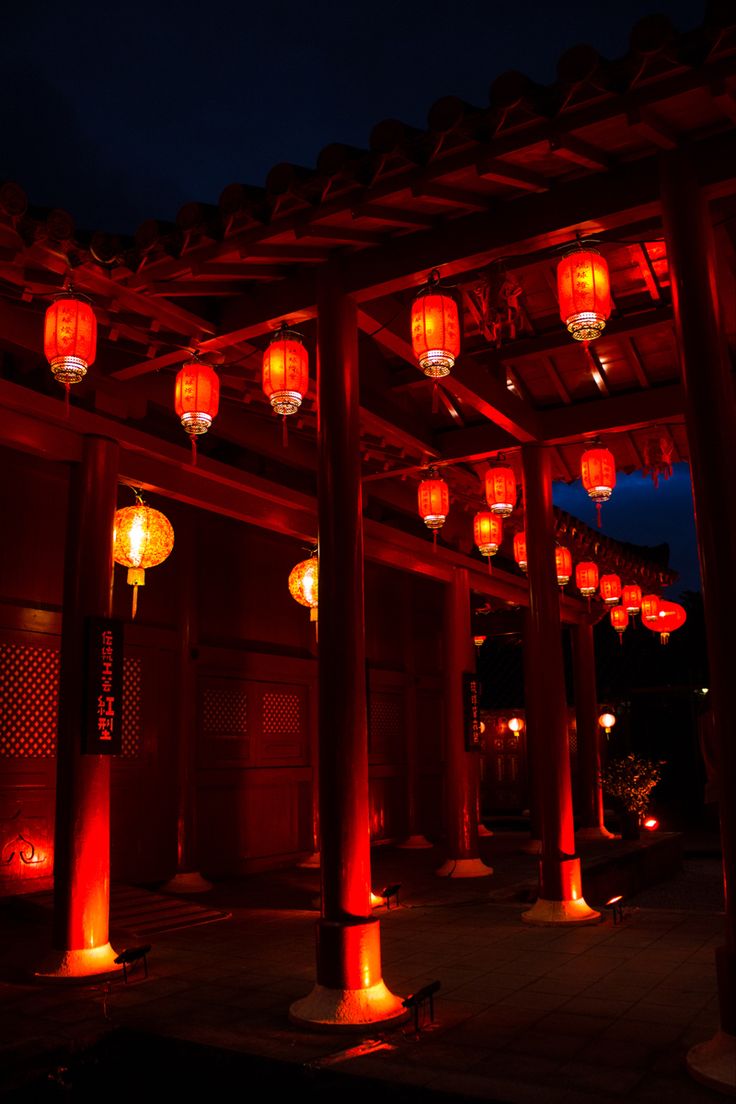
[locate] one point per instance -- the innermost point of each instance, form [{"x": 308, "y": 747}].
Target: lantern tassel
[
  {"x": 66, "y": 400},
  {"x": 194, "y": 451},
  {"x": 434, "y": 540},
  {"x": 621, "y": 639},
  {"x": 598, "y": 512},
  {"x": 490, "y": 572},
  {"x": 284, "y": 432},
  {"x": 435, "y": 398},
  {"x": 135, "y": 602}
]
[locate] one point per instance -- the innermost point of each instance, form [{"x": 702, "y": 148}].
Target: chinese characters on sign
[
  {"x": 471, "y": 712},
  {"x": 103, "y": 701}
]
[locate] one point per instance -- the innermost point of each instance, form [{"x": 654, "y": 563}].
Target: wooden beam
[
  {"x": 652, "y": 127},
  {"x": 569, "y": 148},
  {"x": 506, "y": 172},
  {"x": 614, "y": 414},
  {"x": 394, "y": 214},
  {"x": 448, "y": 193},
  {"x": 349, "y": 235},
  {"x": 551, "y": 369}
]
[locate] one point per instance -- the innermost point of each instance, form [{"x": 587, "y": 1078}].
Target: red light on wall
[
  {"x": 563, "y": 563},
  {"x": 584, "y": 293},
  {"x": 520, "y": 550},
  {"x": 70, "y": 339},
  {"x": 651, "y": 824},
  {"x": 285, "y": 371},
  {"x": 501, "y": 490},
  {"x": 487, "y": 533},
  {"x": 598, "y": 470},
  {"x": 586, "y": 578},
  {"x": 610, "y": 588},
  {"x": 631, "y": 599},
  {"x": 435, "y": 329}
]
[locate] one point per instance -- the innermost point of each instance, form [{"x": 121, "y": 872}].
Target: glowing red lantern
[
  {"x": 479, "y": 640},
  {"x": 487, "y": 533},
  {"x": 70, "y": 339},
  {"x": 649, "y": 608},
  {"x": 285, "y": 373},
  {"x": 433, "y": 499},
  {"x": 501, "y": 490},
  {"x": 142, "y": 538},
  {"x": 586, "y": 578},
  {"x": 435, "y": 329},
  {"x": 619, "y": 620},
  {"x": 670, "y": 616},
  {"x": 196, "y": 398},
  {"x": 610, "y": 587},
  {"x": 584, "y": 293},
  {"x": 631, "y": 599},
  {"x": 304, "y": 585},
  {"x": 563, "y": 562},
  {"x": 599, "y": 476},
  {"x": 520, "y": 550}
]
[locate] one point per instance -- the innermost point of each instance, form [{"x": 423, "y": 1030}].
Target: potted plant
[{"x": 631, "y": 780}]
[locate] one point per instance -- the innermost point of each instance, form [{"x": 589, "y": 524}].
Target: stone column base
[
  {"x": 348, "y": 1009},
  {"x": 483, "y": 831},
  {"x": 561, "y": 912},
  {"x": 464, "y": 868},
  {"x": 189, "y": 882},
  {"x": 415, "y": 843},
  {"x": 82, "y": 963},
  {"x": 713, "y": 1063},
  {"x": 531, "y": 847},
  {"x": 312, "y": 862},
  {"x": 598, "y": 832}
]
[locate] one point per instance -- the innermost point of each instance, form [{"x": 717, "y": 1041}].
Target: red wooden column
[
  {"x": 461, "y": 776},
  {"x": 534, "y": 736},
  {"x": 710, "y": 417},
  {"x": 560, "y": 892},
  {"x": 589, "y": 733},
  {"x": 82, "y": 833},
  {"x": 349, "y": 989},
  {"x": 187, "y": 878},
  {"x": 415, "y": 840}
]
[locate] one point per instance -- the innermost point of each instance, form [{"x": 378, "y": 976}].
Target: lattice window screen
[
  {"x": 132, "y": 747},
  {"x": 29, "y": 688},
  {"x": 224, "y": 712},
  {"x": 572, "y": 735},
  {"x": 281, "y": 714},
  {"x": 386, "y": 718}
]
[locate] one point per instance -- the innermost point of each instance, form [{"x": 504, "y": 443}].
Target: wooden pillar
[
  {"x": 415, "y": 840},
  {"x": 534, "y": 737},
  {"x": 560, "y": 892},
  {"x": 589, "y": 733},
  {"x": 349, "y": 988},
  {"x": 82, "y": 833},
  {"x": 710, "y": 418},
  {"x": 461, "y": 787}
]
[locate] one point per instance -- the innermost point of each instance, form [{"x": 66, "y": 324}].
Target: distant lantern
[
  {"x": 586, "y": 578},
  {"x": 598, "y": 469},
  {"x": 520, "y": 550},
  {"x": 620, "y": 621},
  {"x": 670, "y": 616},
  {"x": 487, "y": 533},
  {"x": 610, "y": 588},
  {"x": 649, "y": 608},
  {"x": 631, "y": 599},
  {"x": 304, "y": 585},
  {"x": 196, "y": 399},
  {"x": 607, "y": 721},
  {"x": 501, "y": 490},
  {"x": 70, "y": 339},
  {"x": 479, "y": 640},
  {"x": 584, "y": 293},
  {"x": 516, "y": 724},
  {"x": 143, "y": 538},
  {"x": 435, "y": 329},
  {"x": 433, "y": 499},
  {"x": 285, "y": 373},
  {"x": 563, "y": 562}
]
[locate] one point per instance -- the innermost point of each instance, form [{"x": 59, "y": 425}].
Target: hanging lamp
[
  {"x": 142, "y": 538},
  {"x": 631, "y": 599},
  {"x": 479, "y": 640},
  {"x": 520, "y": 550},
  {"x": 500, "y": 486},
  {"x": 433, "y": 498},
  {"x": 620, "y": 621},
  {"x": 586, "y": 579},
  {"x": 70, "y": 338},
  {"x": 598, "y": 470},
  {"x": 196, "y": 399},
  {"x": 670, "y": 616},
  {"x": 584, "y": 293},
  {"x": 563, "y": 564},
  {"x": 435, "y": 328},
  {"x": 304, "y": 584},
  {"x": 610, "y": 589},
  {"x": 649, "y": 608},
  {"x": 285, "y": 373},
  {"x": 487, "y": 534}
]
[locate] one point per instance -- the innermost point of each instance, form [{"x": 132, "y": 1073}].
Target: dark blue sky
[{"x": 124, "y": 112}]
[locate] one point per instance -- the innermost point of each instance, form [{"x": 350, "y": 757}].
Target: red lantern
[
  {"x": 631, "y": 599},
  {"x": 434, "y": 502},
  {"x": 435, "y": 329},
  {"x": 70, "y": 339},
  {"x": 670, "y": 616},
  {"x": 584, "y": 293},
  {"x": 487, "y": 533},
  {"x": 563, "y": 562},
  {"x": 479, "y": 640},
  {"x": 610, "y": 587},
  {"x": 501, "y": 490},
  {"x": 285, "y": 374},
  {"x": 520, "y": 550},
  {"x": 619, "y": 620},
  {"x": 196, "y": 398},
  {"x": 304, "y": 585},
  {"x": 649, "y": 608},
  {"x": 586, "y": 578},
  {"x": 599, "y": 476},
  {"x": 142, "y": 538}
]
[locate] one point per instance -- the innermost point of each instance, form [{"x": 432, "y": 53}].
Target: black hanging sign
[
  {"x": 102, "y": 729},
  {"x": 471, "y": 712}
]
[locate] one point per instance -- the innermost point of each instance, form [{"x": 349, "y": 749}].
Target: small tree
[{"x": 631, "y": 780}]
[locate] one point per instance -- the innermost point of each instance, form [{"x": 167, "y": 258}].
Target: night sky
[{"x": 122, "y": 113}]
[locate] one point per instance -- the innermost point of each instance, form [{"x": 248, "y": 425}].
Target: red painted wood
[
  {"x": 586, "y": 713},
  {"x": 461, "y": 823}
]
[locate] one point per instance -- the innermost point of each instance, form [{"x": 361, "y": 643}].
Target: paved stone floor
[{"x": 524, "y": 1014}]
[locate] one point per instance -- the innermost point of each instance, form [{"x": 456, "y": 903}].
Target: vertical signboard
[
  {"x": 471, "y": 712},
  {"x": 102, "y": 728}
]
